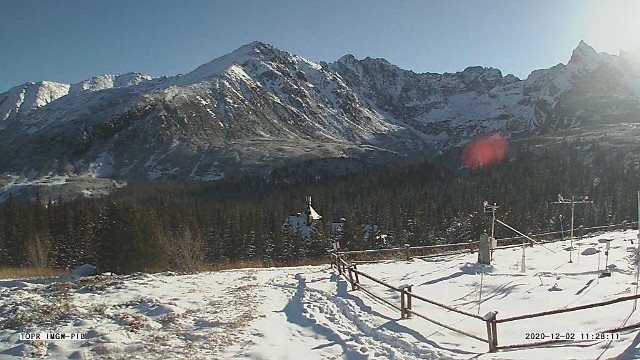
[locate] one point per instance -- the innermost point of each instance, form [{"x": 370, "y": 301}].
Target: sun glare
[{"x": 613, "y": 25}]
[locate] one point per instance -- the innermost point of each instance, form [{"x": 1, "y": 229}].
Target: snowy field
[{"x": 310, "y": 312}]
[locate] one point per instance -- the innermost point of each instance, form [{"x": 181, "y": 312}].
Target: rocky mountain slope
[
  {"x": 258, "y": 109},
  {"x": 479, "y": 100},
  {"x": 23, "y": 98}
]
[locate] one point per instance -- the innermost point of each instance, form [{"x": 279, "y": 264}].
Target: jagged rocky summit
[{"x": 259, "y": 109}]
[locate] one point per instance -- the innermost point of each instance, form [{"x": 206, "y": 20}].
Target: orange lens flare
[{"x": 486, "y": 151}]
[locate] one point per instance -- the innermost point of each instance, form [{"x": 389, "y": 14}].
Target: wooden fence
[
  {"x": 558, "y": 235},
  {"x": 561, "y": 311},
  {"x": 408, "y": 252},
  {"x": 350, "y": 272}
]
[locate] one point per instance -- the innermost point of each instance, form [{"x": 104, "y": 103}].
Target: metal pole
[
  {"x": 523, "y": 265},
  {"x": 573, "y": 202},
  {"x": 480, "y": 296},
  {"x": 573, "y": 205},
  {"x": 571, "y": 236},
  {"x": 493, "y": 226},
  {"x": 493, "y": 220},
  {"x": 493, "y": 208},
  {"x": 522, "y": 234},
  {"x": 599, "y": 252},
  {"x": 635, "y": 302}
]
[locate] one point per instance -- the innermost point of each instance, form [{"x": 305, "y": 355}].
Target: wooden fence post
[
  {"x": 402, "y": 303},
  {"x": 407, "y": 250},
  {"x": 353, "y": 276},
  {"x": 409, "y": 300},
  {"x": 339, "y": 263},
  {"x": 494, "y": 329},
  {"x": 356, "y": 275},
  {"x": 492, "y": 332},
  {"x": 405, "y": 301}
]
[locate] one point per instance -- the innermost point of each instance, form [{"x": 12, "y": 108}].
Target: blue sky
[{"x": 71, "y": 40}]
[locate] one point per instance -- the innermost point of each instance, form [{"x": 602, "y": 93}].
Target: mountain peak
[
  {"x": 29, "y": 96},
  {"x": 583, "y": 53},
  {"x": 254, "y": 50},
  {"x": 377, "y": 60},
  {"x": 251, "y": 50},
  {"x": 258, "y": 45},
  {"x": 346, "y": 59}
]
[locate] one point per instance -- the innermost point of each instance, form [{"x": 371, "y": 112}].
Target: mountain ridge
[{"x": 258, "y": 108}]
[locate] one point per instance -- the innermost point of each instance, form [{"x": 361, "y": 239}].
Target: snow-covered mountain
[
  {"x": 30, "y": 96},
  {"x": 455, "y": 107},
  {"x": 448, "y": 108},
  {"x": 260, "y": 108},
  {"x": 250, "y": 110}
]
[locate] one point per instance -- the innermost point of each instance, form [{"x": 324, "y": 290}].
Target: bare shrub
[
  {"x": 38, "y": 252},
  {"x": 185, "y": 249}
]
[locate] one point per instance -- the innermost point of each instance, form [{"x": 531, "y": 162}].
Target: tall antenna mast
[
  {"x": 635, "y": 302},
  {"x": 572, "y": 202},
  {"x": 492, "y": 209}
]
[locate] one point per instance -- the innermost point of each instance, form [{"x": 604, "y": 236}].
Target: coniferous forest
[{"x": 150, "y": 226}]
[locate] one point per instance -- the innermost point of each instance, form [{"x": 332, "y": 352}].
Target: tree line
[{"x": 154, "y": 225}]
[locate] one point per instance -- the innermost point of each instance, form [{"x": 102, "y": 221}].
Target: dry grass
[
  {"x": 29, "y": 272},
  {"x": 257, "y": 264}
]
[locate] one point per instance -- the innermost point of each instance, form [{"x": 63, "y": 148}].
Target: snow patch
[
  {"x": 102, "y": 166},
  {"x": 284, "y": 312}
]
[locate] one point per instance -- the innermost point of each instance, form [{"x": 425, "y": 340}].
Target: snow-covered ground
[{"x": 310, "y": 312}]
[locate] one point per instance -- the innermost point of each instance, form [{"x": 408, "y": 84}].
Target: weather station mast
[
  {"x": 491, "y": 209},
  {"x": 572, "y": 202},
  {"x": 635, "y": 302}
]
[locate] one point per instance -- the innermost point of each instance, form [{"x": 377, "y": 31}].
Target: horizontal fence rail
[
  {"x": 443, "y": 245},
  {"x": 401, "y": 249},
  {"x": 458, "y": 252},
  {"x": 448, "y": 307},
  {"x": 552, "y": 235},
  {"x": 428, "y": 251},
  {"x": 377, "y": 280},
  {"x": 354, "y": 279},
  {"x": 371, "y": 251},
  {"x": 574, "y": 308},
  {"x": 406, "y": 297},
  {"x": 536, "y": 344},
  {"x": 449, "y": 327},
  {"x": 623, "y": 328},
  {"x": 360, "y": 287},
  {"x": 561, "y": 342}
]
